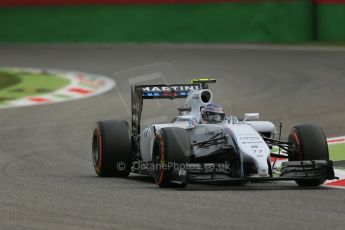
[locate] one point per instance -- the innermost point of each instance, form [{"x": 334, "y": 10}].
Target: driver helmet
[{"x": 212, "y": 113}]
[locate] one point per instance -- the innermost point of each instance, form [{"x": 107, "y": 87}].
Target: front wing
[{"x": 290, "y": 171}]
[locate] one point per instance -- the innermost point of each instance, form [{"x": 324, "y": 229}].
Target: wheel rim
[
  {"x": 95, "y": 150},
  {"x": 294, "y": 149}
]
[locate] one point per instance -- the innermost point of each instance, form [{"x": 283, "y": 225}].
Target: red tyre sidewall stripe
[{"x": 162, "y": 158}]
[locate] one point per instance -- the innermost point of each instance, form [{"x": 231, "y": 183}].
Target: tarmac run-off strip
[{"x": 82, "y": 85}]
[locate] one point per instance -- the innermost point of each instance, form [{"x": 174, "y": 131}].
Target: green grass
[
  {"x": 7, "y": 80},
  {"x": 18, "y": 84},
  {"x": 337, "y": 151}
]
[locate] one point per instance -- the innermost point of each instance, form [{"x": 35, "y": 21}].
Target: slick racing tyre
[
  {"x": 172, "y": 147},
  {"x": 308, "y": 143},
  {"x": 111, "y": 149}
]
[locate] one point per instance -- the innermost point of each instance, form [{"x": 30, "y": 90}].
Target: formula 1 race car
[{"x": 203, "y": 145}]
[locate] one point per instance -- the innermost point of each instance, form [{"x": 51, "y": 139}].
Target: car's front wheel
[{"x": 308, "y": 143}]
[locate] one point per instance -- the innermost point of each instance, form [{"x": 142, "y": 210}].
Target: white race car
[{"x": 204, "y": 145}]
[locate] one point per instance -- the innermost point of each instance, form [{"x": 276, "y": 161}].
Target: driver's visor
[{"x": 215, "y": 117}]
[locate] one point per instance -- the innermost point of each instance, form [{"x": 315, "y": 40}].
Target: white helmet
[{"x": 212, "y": 113}]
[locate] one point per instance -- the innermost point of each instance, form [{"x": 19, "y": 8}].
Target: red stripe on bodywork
[{"x": 278, "y": 159}]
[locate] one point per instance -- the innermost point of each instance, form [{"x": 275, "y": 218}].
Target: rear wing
[{"x": 141, "y": 92}]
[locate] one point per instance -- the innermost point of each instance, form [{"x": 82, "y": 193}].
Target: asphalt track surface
[{"x": 46, "y": 176}]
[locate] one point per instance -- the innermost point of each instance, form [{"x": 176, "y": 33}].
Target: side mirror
[{"x": 251, "y": 116}]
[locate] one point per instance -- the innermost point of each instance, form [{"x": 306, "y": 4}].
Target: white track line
[{"x": 82, "y": 85}]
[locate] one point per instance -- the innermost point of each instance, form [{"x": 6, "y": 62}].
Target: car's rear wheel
[
  {"x": 308, "y": 143},
  {"x": 171, "y": 149},
  {"x": 111, "y": 149}
]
